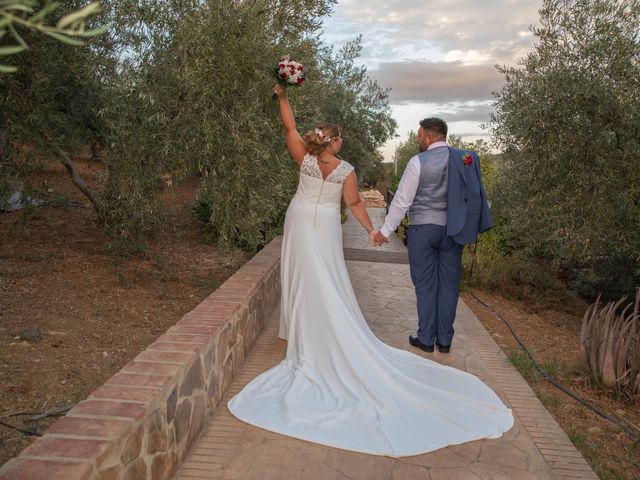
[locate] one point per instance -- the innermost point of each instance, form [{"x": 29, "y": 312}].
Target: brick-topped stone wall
[{"x": 142, "y": 422}]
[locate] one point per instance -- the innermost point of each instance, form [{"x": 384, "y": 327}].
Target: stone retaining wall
[{"x": 143, "y": 421}]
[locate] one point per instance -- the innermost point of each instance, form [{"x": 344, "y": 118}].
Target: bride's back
[{"x": 315, "y": 186}]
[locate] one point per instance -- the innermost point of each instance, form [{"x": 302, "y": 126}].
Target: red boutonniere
[{"x": 467, "y": 160}]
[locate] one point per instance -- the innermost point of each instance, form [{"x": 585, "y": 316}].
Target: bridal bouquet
[{"x": 289, "y": 72}]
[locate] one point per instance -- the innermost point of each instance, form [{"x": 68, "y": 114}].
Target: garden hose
[{"x": 632, "y": 430}]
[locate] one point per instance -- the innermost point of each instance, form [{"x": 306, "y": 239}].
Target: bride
[{"x": 339, "y": 385}]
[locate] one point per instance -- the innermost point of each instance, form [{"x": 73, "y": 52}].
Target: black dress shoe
[
  {"x": 418, "y": 344},
  {"x": 443, "y": 348}
]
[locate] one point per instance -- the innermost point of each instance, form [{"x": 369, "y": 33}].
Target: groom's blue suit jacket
[{"x": 467, "y": 207}]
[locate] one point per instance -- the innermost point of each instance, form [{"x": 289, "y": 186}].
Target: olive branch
[{"x": 23, "y": 13}]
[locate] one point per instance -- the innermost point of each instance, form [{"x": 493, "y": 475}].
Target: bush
[
  {"x": 610, "y": 345},
  {"x": 198, "y": 101},
  {"x": 568, "y": 121}
]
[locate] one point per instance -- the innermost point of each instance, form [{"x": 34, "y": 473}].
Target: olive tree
[
  {"x": 352, "y": 99},
  {"x": 568, "y": 121},
  {"x": 49, "y": 104},
  {"x": 403, "y": 153},
  {"x": 198, "y": 89},
  {"x": 181, "y": 88},
  {"x": 33, "y": 16},
  {"x": 196, "y": 99}
]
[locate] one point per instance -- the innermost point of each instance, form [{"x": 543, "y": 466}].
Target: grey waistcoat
[{"x": 430, "y": 202}]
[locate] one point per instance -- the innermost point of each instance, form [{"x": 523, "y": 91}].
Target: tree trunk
[
  {"x": 3, "y": 142},
  {"x": 76, "y": 178}
]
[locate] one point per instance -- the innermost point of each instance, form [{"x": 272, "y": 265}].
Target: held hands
[{"x": 376, "y": 238}]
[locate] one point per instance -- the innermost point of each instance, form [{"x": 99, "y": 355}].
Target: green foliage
[
  {"x": 409, "y": 148},
  {"x": 577, "y": 437},
  {"x": 131, "y": 210},
  {"x": 32, "y": 15},
  {"x": 198, "y": 101},
  {"x": 524, "y": 365},
  {"x": 50, "y": 103},
  {"x": 568, "y": 121},
  {"x": 184, "y": 88},
  {"x": 348, "y": 97},
  {"x": 610, "y": 345},
  {"x": 404, "y": 152}
]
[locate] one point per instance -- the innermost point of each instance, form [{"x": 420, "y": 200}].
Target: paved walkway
[{"x": 535, "y": 448}]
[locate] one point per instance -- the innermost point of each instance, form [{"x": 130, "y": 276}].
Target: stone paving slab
[
  {"x": 354, "y": 236},
  {"x": 363, "y": 255},
  {"x": 535, "y": 448}
]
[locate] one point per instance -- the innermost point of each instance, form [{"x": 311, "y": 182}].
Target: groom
[{"x": 442, "y": 189}]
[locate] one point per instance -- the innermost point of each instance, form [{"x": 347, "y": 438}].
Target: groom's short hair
[{"x": 435, "y": 125}]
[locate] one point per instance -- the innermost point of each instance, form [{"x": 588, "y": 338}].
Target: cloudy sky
[{"x": 437, "y": 56}]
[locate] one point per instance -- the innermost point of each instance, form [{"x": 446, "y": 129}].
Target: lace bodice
[{"x": 338, "y": 175}]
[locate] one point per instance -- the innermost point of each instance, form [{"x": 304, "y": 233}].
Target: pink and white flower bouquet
[{"x": 289, "y": 72}]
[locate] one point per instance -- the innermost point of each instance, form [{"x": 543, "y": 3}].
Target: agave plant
[{"x": 610, "y": 344}]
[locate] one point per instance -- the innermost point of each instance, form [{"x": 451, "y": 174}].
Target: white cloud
[
  {"x": 478, "y": 112},
  {"x": 437, "y": 56},
  {"x": 496, "y": 29},
  {"x": 468, "y": 57},
  {"x": 461, "y": 117}
]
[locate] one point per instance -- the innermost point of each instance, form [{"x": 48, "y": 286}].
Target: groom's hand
[
  {"x": 380, "y": 238},
  {"x": 377, "y": 238}
]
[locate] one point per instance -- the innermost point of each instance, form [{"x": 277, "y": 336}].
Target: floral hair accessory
[{"x": 322, "y": 137}]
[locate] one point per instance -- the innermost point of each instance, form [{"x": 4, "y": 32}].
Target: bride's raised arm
[{"x": 295, "y": 143}]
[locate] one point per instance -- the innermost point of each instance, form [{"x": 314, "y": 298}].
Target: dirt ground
[
  {"x": 93, "y": 313},
  {"x": 552, "y": 336}
]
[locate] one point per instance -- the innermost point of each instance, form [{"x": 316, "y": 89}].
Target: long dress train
[{"x": 339, "y": 385}]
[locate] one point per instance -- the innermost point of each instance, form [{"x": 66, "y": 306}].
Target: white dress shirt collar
[{"x": 437, "y": 144}]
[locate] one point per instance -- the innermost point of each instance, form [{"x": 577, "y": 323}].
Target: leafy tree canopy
[{"x": 568, "y": 121}]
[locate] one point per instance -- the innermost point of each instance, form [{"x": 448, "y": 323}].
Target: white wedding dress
[{"x": 339, "y": 385}]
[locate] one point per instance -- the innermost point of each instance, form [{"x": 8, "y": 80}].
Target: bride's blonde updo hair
[{"x": 318, "y": 139}]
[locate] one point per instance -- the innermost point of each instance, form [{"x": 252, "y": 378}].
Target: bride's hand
[
  {"x": 280, "y": 91},
  {"x": 372, "y": 237}
]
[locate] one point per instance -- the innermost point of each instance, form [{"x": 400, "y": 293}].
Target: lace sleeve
[{"x": 341, "y": 172}]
